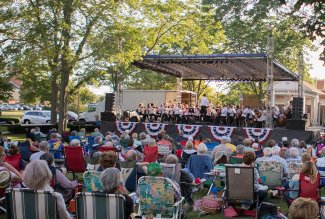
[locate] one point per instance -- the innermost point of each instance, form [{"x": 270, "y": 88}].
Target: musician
[
  {"x": 230, "y": 114},
  {"x": 224, "y": 113},
  {"x": 152, "y": 112},
  {"x": 164, "y": 113},
  {"x": 260, "y": 120},
  {"x": 141, "y": 110},
  {"x": 238, "y": 117},
  {"x": 177, "y": 112},
  {"x": 249, "y": 115},
  {"x": 276, "y": 115},
  {"x": 204, "y": 105}
]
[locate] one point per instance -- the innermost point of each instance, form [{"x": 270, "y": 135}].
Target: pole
[{"x": 269, "y": 80}]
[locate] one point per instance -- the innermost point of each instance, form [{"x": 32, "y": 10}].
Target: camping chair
[
  {"x": 100, "y": 205},
  {"x": 156, "y": 198},
  {"x": 73, "y": 137},
  {"x": 239, "y": 186},
  {"x": 163, "y": 152},
  {"x": 199, "y": 164},
  {"x": 171, "y": 171},
  {"x": 92, "y": 181},
  {"x": 235, "y": 160},
  {"x": 24, "y": 148},
  {"x": 106, "y": 148},
  {"x": 294, "y": 168},
  {"x": 211, "y": 146},
  {"x": 150, "y": 154},
  {"x": 29, "y": 204},
  {"x": 272, "y": 172},
  {"x": 74, "y": 159},
  {"x": 15, "y": 161}
]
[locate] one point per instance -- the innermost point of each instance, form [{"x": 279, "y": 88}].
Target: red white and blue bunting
[
  {"x": 261, "y": 134},
  {"x": 124, "y": 126},
  {"x": 219, "y": 131},
  {"x": 188, "y": 130},
  {"x": 154, "y": 128}
]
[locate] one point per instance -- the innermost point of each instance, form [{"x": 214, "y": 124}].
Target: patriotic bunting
[
  {"x": 219, "y": 131},
  {"x": 262, "y": 134},
  {"x": 123, "y": 126},
  {"x": 188, "y": 130},
  {"x": 154, "y": 128}
]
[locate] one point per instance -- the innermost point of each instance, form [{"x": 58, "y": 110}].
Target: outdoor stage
[{"x": 213, "y": 132}]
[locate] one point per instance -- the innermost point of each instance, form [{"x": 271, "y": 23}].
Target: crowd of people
[
  {"x": 37, "y": 164},
  {"x": 225, "y": 115}
]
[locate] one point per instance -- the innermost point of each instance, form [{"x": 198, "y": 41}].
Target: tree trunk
[
  {"x": 66, "y": 65},
  {"x": 54, "y": 99}
]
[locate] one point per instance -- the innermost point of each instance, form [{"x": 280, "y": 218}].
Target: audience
[
  {"x": 44, "y": 148},
  {"x": 107, "y": 160},
  {"x": 37, "y": 176},
  {"x": 303, "y": 208},
  {"x": 6, "y": 166},
  {"x": 75, "y": 142},
  {"x": 111, "y": 181}
]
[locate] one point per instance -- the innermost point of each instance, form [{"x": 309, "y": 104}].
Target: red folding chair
[
  {"x": 74, "y": 159},
  {"x": 106, "y": 148},
  {"x": 150, "y": 154}
]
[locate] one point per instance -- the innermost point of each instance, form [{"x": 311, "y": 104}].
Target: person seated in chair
[
  {"x": 248, "y": 161},
  {"x": 200, "y": 163},
  {"x": 6, "y": 166},
  {"x": 37, "y": 176},
  {"x": 154, "y": 169},
  {"x": 60, "y": 182},
  {"x": 56, "y": 146},
  {"x": 309, "y": 180},
  {"x": 107, "y": 160},
  {"x": 111, "y": 181},
  {"x": 186, "y": 179},
  {"x": 187, "y": 152}
]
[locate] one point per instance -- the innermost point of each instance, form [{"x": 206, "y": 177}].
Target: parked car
[
  {"x": 72, "y": 117},
  {"x": 36, "y": 117}
]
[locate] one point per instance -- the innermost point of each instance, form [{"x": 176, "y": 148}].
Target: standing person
[
  {"x": 204, "y": 105},
  {"x": 231, "y": 114}
]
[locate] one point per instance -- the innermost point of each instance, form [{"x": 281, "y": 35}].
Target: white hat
[
  {"x": 224, "y": 138},
  {"x": 190, "y": 138},
  {"x": 5, "y": 178},
  {"x": 284, "y": 139}
]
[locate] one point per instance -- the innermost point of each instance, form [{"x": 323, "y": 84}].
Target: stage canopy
[{"x": 225, "y": 67}]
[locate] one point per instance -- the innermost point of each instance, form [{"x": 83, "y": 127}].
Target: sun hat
[
  {"x": 284, "y": 139},
  {"x": 154, "y": 169},
  {"x": 5, "y": 178}
]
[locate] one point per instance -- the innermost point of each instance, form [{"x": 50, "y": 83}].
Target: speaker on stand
[
  {"x": 297, "y": 122},
  {"x": 108, "y": 115}
]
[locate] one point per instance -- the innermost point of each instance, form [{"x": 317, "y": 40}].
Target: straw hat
[{"x": 5, "y": 178}]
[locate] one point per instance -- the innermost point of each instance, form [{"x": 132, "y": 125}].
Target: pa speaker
[
  {"x": 296, "y": 124},
  {"x": 109, "y": 102},
  {"x": 108, "y": 116},
  {"x": 297, "y": 107}
]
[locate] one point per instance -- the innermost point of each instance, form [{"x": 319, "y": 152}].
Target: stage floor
[{"x": 311, "y": 133}]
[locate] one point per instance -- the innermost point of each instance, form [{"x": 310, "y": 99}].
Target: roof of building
[{"x": 225, "y": 67}]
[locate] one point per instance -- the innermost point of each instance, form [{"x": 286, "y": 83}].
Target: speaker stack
[
  {"x": 297, "y": 122},
  {"x": 108, "y": 115}
]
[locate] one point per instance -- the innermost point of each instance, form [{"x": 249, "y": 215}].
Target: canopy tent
[{"x": 226, "y": 67}]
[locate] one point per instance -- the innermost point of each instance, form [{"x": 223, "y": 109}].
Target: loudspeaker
[
  {"x": 109, "y": 102},
  {"x": 108, "y": 116},
  {"x": 297, "y": 107},
  {"x": 296, "y": 124}
]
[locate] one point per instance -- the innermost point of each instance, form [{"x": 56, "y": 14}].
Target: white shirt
[
  {"x": 204, "y": 101},
  {"x": 231, "y": 112},
  {"x": 36, "y": 156},
  {"x": 224, "y": 111}
]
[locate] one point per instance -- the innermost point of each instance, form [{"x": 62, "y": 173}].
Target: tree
[{"x": 6, "y": 89}]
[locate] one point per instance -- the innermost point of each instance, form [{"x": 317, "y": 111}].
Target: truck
[{"x": 131, "y": 99}]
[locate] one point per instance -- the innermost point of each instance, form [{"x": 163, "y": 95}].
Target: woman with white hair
[
  {"x": 267, "y": 154},
  {"x": 200, "y": 163},
  {"x": 187, "y": 152},
  {"x": 293, "y": 155},
  {"x": 111, "y": 179},
  {"x": 37, "y": 176}
]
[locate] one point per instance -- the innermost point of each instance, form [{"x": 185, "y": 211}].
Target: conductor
[{"x": 204, "y": 105}]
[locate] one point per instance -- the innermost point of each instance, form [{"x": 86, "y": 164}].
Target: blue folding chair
[
  {"x": 211, "y": 145},
  {"x": 73, "y": 137}
]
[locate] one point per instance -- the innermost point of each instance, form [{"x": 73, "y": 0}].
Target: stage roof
[{"x": 226, "y": 67}]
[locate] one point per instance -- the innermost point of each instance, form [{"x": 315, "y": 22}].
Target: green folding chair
[
  {"x": 100, "y": 206},
  {"x": 30, "y": 204}
]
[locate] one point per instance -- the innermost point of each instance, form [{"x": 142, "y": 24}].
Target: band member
[
  {"x": 164, "y": 113},
  {"x": 231, "y": 115},
  {"x": 224, "y": 112},
  {"x": 204, "y": 105},
  {"x": 177, "y": 112},
  {"x": 238, "y": 117}
]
